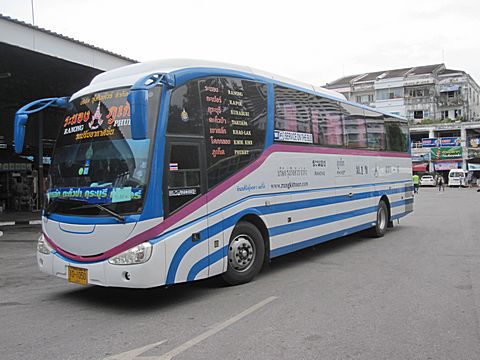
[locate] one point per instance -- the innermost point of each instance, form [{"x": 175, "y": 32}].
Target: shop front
[{"x": 18, "y": 179}]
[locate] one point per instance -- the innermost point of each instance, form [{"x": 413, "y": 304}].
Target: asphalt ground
[{"x": 413, "y": 294}]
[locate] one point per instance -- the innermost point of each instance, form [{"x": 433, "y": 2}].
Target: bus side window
[
  {"x": 292, "y": 112},
  {"x": 327, "y": 121},
  {"x": 235, "y": 117},
  {"x": 395, "y": 135},
  {"x": 354, "y": 127},
  {"x": 183, "y": 175},
  {"x": 375, "y": 130},
  {"x": 185, "y": 114}
]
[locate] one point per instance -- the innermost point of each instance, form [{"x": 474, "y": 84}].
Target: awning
[
  {"x": 419, "y": 167},
  {"x": 448, "y": 88}
]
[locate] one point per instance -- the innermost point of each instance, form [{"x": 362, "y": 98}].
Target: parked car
[{"x": 428, "y": 180}]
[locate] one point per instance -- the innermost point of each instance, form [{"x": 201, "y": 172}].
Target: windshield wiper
[
  {"x": 48, "y": 208},
  {"x": 102, "y": 208},
  {"x": 83, "y": 205}
]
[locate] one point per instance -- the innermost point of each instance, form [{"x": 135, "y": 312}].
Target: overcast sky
[{"x": 311, "y": 41}]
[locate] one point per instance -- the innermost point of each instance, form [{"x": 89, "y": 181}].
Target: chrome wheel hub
[
  {"x": 241, "y": 253},
  {"x": 382, "y": 218}
]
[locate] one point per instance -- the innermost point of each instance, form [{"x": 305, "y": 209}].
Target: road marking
[{"x": 133, "y": 354}]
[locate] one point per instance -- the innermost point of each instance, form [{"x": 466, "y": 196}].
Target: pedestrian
[
  {"x": 469, "y": 179},
  {"x": 416, "y": 183},
  {"x": 461, "y": 182},
  {"x": 440, "y": 183}
]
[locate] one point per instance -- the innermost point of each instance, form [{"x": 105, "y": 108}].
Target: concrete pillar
[{"x": 463, "y": 138}]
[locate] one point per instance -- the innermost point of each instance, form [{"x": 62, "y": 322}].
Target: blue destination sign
[
  {"x": 429, "y": 142},
  {"x": 450, "y": 141}
]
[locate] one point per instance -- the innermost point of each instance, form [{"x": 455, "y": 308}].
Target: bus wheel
[
  {"x": 381, "y": 224},
  {"x": 246, "y": 252}
]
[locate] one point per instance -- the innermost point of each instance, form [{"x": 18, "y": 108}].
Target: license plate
[{"x": 77, "y": 275}]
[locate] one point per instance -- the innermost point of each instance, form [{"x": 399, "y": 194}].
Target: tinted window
[
  {"x": 183, "y": 175},
  {"x": 327, "y": 126},
  {"x": 185, "y": 115},
  {"x": 235, "y": 117},
  {"x": 375, "y": 130},
  {"x": 304, "y": 118},
  {"x": 354, "y": 127},
  {"x": 396, "y": 135},
  {"x": 292, "y": 111}
]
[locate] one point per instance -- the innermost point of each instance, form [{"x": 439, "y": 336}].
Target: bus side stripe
[
  {"x": 282, "y": 229},
  {"x": 200, "y": 265},
  {"x": 206, "y": 261},
  {"x": 314, "y": 241},
  {"x": 265, "y": 210},
  {"x": 297, "y": 226}
]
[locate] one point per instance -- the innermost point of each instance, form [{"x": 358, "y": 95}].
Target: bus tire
[
  {"x": 382, "y": 221},
  {"x": 246, "y": 252}
]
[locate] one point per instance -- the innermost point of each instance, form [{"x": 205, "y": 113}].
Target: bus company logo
[
  {"x": 283, "y": 171},
  {"x": 97, "y": 120}
]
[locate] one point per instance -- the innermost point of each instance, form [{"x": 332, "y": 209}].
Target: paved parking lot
[{"x": 413, "y": 294}]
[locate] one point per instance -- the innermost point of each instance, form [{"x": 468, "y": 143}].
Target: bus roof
[{"x": 127, "y": 75}]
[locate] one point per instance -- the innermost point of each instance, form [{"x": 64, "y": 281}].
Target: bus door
[{"x": 185, "y": 182}]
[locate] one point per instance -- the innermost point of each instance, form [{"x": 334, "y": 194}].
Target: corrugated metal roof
[
  {"x": 426, "y": 69},
  {"x": 19, "y": 22},
  {"x": 343, "y": 81},
  {"x": 387, "y": 74}
]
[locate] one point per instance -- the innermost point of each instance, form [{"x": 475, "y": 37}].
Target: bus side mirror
[
  {"x": 21, "y": 117},
  {"x": 19, "y": 131},
  {"x": 138, "y": 100}
]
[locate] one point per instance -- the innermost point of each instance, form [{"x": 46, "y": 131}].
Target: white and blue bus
[{"x": 172, "y": 171}]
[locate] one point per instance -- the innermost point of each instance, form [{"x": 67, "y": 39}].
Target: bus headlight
[
  {"x": 42, "y": 246},
  {"x": 136, "y": 255}
]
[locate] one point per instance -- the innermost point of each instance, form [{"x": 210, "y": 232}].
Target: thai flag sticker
[{"x": 173, "y": 166}]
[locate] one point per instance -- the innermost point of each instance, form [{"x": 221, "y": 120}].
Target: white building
[{"x": 423, "y": 94}]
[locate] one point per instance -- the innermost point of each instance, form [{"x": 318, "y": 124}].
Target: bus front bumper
[{"x": 146, "y": 275}]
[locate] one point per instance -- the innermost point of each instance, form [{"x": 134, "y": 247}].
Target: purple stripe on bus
[{"x": 215, "y": 192}]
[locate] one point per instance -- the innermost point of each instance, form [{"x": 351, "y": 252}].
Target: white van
[{"x": 457, "y": 177}]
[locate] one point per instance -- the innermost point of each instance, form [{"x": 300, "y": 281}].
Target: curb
[{"x": 20, "y": 222}]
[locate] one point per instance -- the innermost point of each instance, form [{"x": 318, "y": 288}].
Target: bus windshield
[{"x": 96, "y": 161}]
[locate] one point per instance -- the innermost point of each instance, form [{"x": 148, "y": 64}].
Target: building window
[
  {"x": 364, "y": 99},
  {"x": 416, "y": 92},
  {"x": 457, "y": 113},
  {"x": 418, "y": 114},
  {"x": 388, "y": 94},
  {"x": 444, "y": 114}
]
